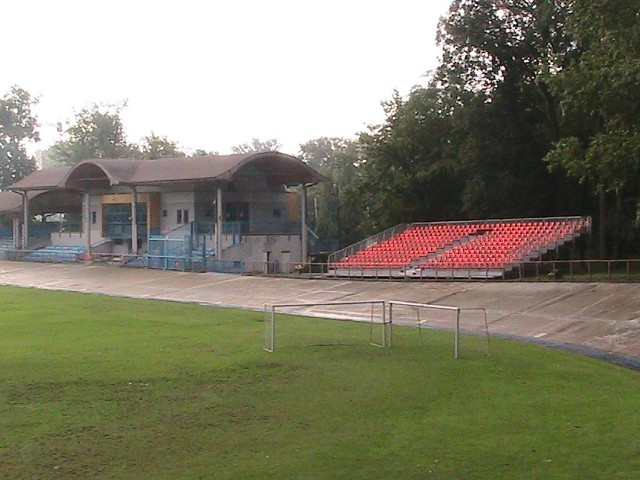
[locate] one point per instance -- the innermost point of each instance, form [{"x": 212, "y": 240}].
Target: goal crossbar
[
  {"x": 457, "y": 310},
  {"x": 270, "y": 310}
]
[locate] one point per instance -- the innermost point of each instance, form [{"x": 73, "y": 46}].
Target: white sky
[{"x": 212, "y": 74}]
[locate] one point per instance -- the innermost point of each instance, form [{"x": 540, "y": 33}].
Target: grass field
[{"x": 98, "y": 387}]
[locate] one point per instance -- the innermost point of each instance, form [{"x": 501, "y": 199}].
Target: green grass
[{"x": 99, "y": 387}]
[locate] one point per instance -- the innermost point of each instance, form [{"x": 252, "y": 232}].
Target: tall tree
[
  {"x": 17, "y": 126},
  {"x": 257, "y": 145},
  {"x": 96, "y": 132},
  {"x": 499, "y": 57},
  {"x": 155, "y": 146},
  {"x": 335, "y": 212},
  {"x": 600, "y": 144},
  {"x": 407, "y": 172}
]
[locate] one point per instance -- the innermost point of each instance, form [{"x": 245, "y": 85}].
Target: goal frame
[
  {"x": 269, "y": 333},
  {"x": 457, "y": 310}
]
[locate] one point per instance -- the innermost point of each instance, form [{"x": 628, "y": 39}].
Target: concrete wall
[
  {"x": 268, "y": 211},
  {"x": 254, "y": 249},
  {"x": 170, "y": 203}
]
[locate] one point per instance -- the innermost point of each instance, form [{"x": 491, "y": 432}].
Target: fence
[
  {"x": 626, "y": 270},
  {"x": 180, "y": 254}
]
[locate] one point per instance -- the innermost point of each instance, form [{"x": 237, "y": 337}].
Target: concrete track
[{"x": 598, "y": 316}]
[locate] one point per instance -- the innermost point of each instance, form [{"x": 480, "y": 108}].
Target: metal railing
[
  {"x": 367, "y": 242},
  {"x": 623, "y": 271}
]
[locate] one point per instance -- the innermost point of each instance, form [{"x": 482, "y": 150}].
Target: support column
[
  {"x": 303, "y": 220},
  {"x": 219, "y": 223},
  {"x": 86, "y": 217},
  {"x": 134, "y": 221},
  {"x": 25, "y": 221},
  {"x": 16, "y": 232}
]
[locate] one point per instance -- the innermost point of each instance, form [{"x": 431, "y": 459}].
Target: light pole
[{"x": 338, "y": 220}]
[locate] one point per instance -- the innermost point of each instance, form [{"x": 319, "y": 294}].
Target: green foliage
[
  {"x": 600, "y": 102},
  {"x": 257, "y": 145},
  {"x": 199, "y": 152},
  {"x": 188, "y": 392},
  {"x": 407, "y": 172},
  {"x": 523, "y": 85},
  {"x": 334, "y": 209},
  {"x": 96, "y": 132},
  {"x": 154, "y": 146},
  {"x": 17, "y": 126}
]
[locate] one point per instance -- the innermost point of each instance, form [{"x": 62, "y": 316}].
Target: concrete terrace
[{"x": 598, "y": 316}]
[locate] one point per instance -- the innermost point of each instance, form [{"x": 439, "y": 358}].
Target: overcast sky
[{"x": 212, "y": 74}]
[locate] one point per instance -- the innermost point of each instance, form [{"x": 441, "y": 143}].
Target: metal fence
[{"x": 179, "y": 254}]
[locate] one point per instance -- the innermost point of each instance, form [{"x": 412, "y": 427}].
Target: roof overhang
[{"x": 279, "y": 168}]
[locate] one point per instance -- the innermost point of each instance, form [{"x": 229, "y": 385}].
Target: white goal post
[
  {"x": 455, "y": 311},
  {"x": 270, "y": 338}
]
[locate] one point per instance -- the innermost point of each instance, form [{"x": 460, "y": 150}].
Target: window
[
  {"x": 182, "y": 216},
  {"x": 276, "y": 212},
  {"x": 164, "y": 213},
  {"x": 94, "y": 218}
]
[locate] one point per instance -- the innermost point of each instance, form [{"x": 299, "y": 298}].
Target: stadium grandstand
[
  {"x": 205, "y": 213},
  {"x": 473, "y": 249}
]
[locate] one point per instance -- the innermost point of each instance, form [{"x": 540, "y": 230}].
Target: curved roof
[
  {"x": 41, "y": 201},
  {"x": 46, "y": 179},
  {"x": 279, "y": 167}
]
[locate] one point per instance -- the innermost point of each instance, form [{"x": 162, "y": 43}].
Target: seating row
[{"x": 466, "y": 245}]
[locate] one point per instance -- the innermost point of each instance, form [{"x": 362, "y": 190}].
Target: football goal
[
  {"x": 340, "y": 323},
  {"x": 427, "y": 315}
]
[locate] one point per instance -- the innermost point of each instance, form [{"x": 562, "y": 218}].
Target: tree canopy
[
  {"x": 96, "y": 132},
  {"x": 155, "y": 146},
  {"x": 257, "y": 145},
  {"x": 18, "y": 125},
  {"x": 532, "y": 111}
]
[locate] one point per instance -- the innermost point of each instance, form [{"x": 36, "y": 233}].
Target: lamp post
[{"x": 338, "y": 220}]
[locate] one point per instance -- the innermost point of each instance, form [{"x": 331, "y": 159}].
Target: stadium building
[{"x": 208, "y": 212}]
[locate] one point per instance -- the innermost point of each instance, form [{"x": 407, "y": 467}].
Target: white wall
[
  {"x": 253, "y": 249},
  {"x": 172, "y": 202}
]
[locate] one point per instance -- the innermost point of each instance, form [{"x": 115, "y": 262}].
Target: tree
[
  {"x": 199, "y": 152},
  {"x": 499, "y": 57},
  {"x": 97, "y": 132},
  {"x": 335, "y": 212},
  {"x": 407, "y": 173},
  {"x": 154, "y": 146},
  {"x": 17, "y": 126},
  {"x": 600, "y": 142},
  {"x": 256, "y": 145}
]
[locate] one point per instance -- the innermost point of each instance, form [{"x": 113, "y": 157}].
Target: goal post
[
  {"x": 380, "y": 328},
  {"x": 452, "y": 314}
]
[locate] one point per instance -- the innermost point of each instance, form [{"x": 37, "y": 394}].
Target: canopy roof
[
  {"x": 278, "y": 167},
  {"x": 40, "y": 201}
]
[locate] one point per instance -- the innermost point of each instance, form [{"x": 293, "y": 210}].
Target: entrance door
[
  {"x": 266, "y": 258},
  {"x": 286, "y": 262}
]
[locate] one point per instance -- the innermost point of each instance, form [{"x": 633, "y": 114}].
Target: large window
[
  {"x": 236, "y": 212},
  {"x": 116, "y": 220}
]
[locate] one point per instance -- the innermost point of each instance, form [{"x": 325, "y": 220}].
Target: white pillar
[
  {"x": 86, "y": 217},
  {"x": 219, "y": 223},
  {"x": 303, "y": 220},
  {"x": 134, "y": 221},
  {"x": 25, "y": 221},
  {"x": 16, "y": 232}
]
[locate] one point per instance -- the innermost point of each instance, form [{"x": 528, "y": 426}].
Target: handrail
[{"x": 367, "y": 242}]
